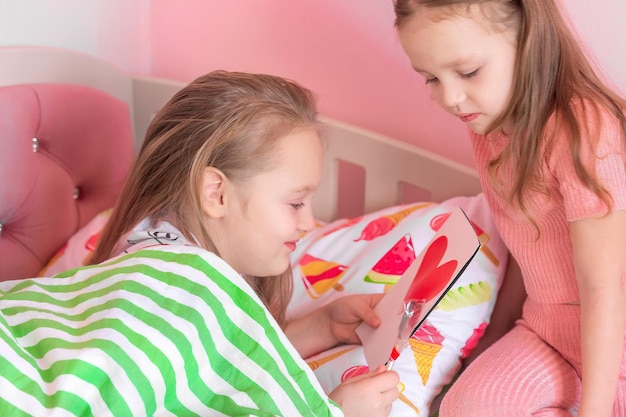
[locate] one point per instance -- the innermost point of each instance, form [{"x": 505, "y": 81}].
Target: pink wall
[
  {"x": 345, "y": 51},
  {"x": 348, "y": 53},
  {"x": 600, "y": 26}
]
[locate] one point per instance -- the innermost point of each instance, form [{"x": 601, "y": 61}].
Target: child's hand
[
  {"x": 332, "y": 324},
  {"x": 370, "y": 394},
  {"x": 346, "y": 313}
]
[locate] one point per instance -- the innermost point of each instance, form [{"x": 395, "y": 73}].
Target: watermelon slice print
[{"x": 392, "y": 265}]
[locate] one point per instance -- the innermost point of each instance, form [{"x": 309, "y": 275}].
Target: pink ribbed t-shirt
[{"x": 546, "y": 260}]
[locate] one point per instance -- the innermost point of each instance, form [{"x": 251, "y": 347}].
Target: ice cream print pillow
[{"x": 368, "y": 255}]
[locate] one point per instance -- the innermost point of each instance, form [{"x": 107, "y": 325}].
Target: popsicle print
[
  {"x": 483, "y": 237},
  {"x": 320, "y": 276}
]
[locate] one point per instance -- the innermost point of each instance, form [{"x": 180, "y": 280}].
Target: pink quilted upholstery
[{"x": 65, "y": 151}]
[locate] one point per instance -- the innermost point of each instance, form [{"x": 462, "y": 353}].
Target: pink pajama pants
[{"x": 534, "y": 370}]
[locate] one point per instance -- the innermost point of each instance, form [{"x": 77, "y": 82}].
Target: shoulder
[
  {"x": 599, "y": 150},
  {"x": 601, "y": 132},
  {"x": 178, "y": 254},
  {"x": 180, "y": 265}
]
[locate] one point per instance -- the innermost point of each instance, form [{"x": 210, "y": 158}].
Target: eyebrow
[
  {"x": 305, "y": 189},
  {"x": 461, "y": 61},
  {"x": 421, "y": 71}
]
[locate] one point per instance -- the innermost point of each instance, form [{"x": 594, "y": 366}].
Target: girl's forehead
[
  {"x": 437, "y": 13},
  {"x": 485, "y": 14},
  {"x": 432, "y": 24},
  {"x": 456, "y": 42},
  {"x": 458, "y": 21}
]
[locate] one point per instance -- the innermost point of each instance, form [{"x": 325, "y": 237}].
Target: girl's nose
[
  {"x": 451, "y": 95},
  {"x": 307, "y": 221}
]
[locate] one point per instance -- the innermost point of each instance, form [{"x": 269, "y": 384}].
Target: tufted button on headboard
[{"x": 65, "y": 151}]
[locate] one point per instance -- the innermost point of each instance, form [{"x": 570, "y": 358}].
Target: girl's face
[
  {"x": 265, "y": 217},
  {"x": 465, "y": 61}
]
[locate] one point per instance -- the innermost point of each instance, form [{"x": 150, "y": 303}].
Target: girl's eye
[
  {"x": 430, "y": 80},
  {"x": 297, "y": 205},
  {"x": 469, "y": 74}
]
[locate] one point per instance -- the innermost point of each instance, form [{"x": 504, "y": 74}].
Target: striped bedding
[{"x": 164, "y": 331}]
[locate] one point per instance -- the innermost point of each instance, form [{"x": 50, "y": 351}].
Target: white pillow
[{"x": 367, "y": 255}]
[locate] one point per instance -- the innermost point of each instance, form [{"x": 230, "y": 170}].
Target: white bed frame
[{"x": 365, "y": 171}]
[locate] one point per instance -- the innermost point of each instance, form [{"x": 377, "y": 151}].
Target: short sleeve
[{"x": 602, "y": 155}]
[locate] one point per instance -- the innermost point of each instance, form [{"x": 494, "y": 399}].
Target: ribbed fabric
[
  {"x": 520, "y": 375},
  {"x": 547, "y": 261},
  {"x": 534, "y": 370},
  {"x": 170, "y": 330}
]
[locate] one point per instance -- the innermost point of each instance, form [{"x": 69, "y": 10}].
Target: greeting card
[{"x": 418, "y": 291}]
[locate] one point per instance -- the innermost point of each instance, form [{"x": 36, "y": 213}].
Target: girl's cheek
[{"x": 437, "y": 97}]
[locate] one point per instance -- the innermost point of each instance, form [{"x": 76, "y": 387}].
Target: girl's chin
[
  {"x": 275, "y": 271},
  {"x": 478, "y": 129}
]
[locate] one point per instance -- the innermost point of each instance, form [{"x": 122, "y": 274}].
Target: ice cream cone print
[
  {"x": 384, "y": 224},
  {"x": 353, "y": 371},
  {"x": 320, "y": 276},
  {"x": 425, "y": 344},
  {"x": 424, "y": 354},
  {"x": 393, "y": 264},
  {"x": 467, "y": 295},
  {"x": 343, "y": 225}
]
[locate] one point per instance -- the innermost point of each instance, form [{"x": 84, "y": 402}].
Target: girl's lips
[
  {"x": 291, "y": 246},
  {"x": 468, "y": 117}
]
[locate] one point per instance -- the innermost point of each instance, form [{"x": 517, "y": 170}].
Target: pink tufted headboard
[{"x": 65, "y": 151}]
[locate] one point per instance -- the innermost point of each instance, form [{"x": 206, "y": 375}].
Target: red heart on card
[{"x": 431, "y": 278}]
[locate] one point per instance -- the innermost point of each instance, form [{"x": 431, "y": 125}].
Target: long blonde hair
[
  {"x": 551, "y": 70},
  {"x": 227, "y": 120}
]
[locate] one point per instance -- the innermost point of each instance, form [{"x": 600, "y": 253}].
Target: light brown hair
[
  {"x": 551, "y": 71},
  {"x": 227, "y": 120}
]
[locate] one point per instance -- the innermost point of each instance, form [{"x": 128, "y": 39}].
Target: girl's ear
[{"x": 213, "y": 186}]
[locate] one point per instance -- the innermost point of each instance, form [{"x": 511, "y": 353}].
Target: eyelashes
[
  {"x": 465, "y": 76},
  {"x": 469, "y": 74}
]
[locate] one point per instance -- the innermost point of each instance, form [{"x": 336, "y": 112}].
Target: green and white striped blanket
[{"x": 164, "y": 331}]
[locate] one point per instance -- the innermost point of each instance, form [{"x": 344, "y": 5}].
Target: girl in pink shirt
[{"x": 548, "y": 138}]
